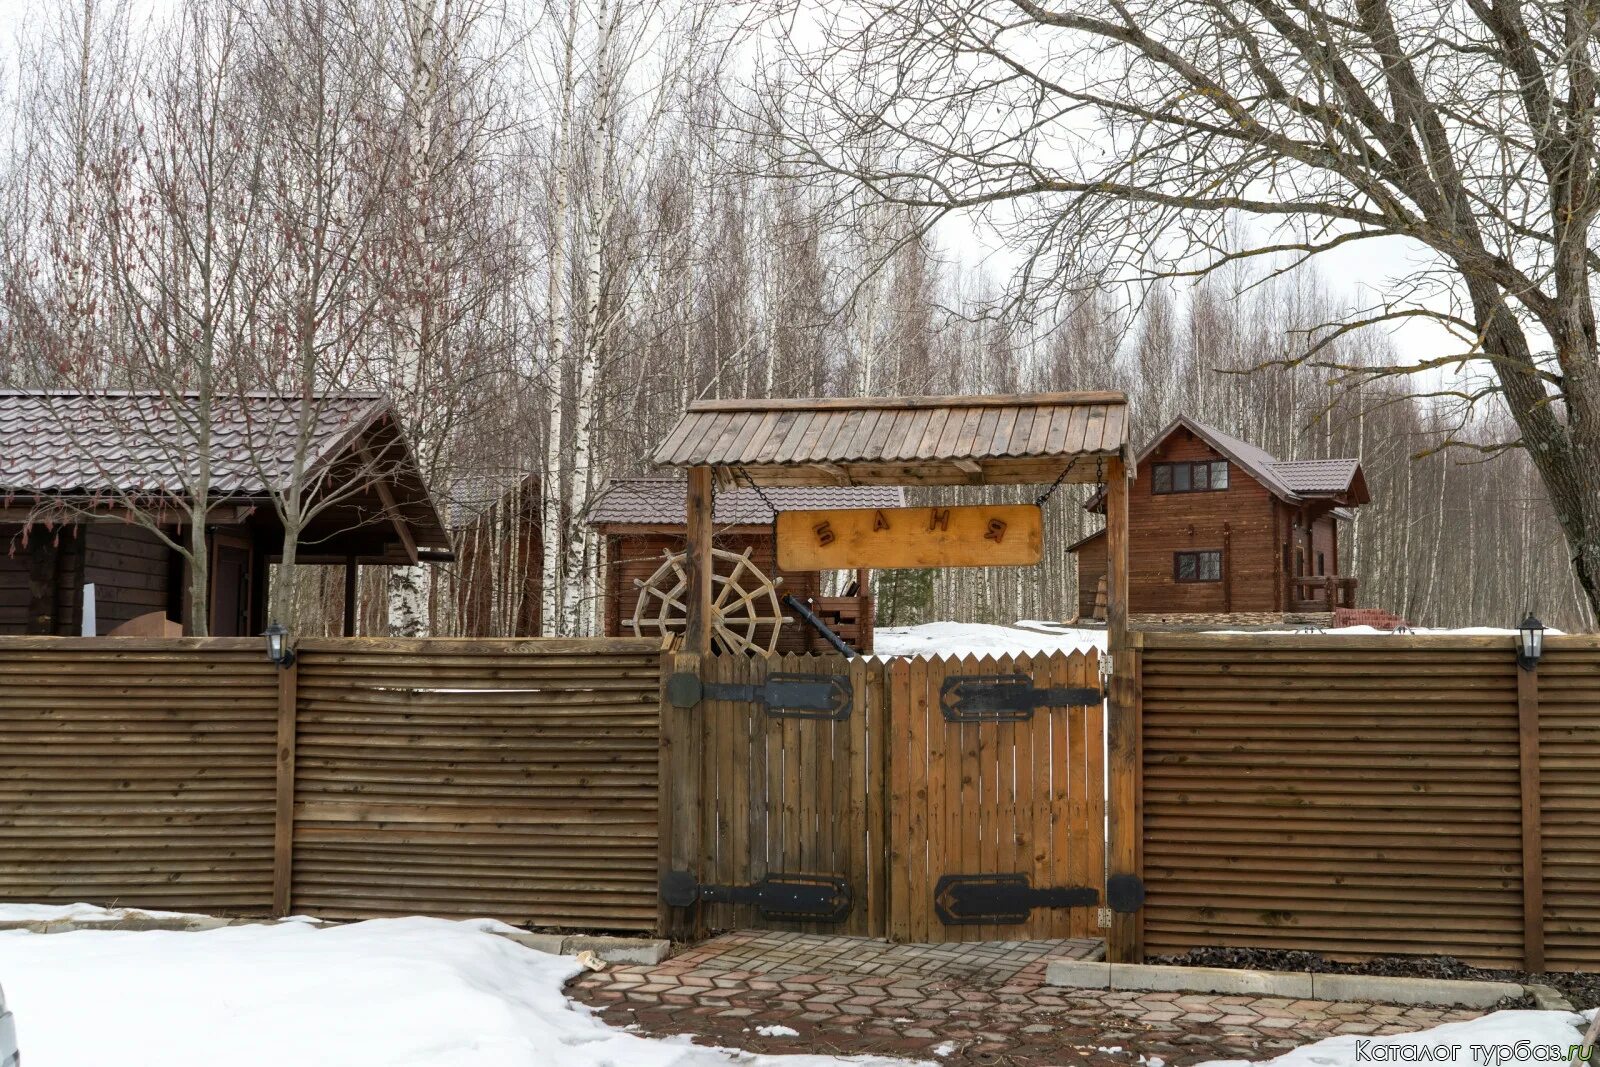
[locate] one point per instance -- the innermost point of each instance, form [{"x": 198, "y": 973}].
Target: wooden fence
[
  {"x": 1364, "y": 796},
  {"x": 513, "y": 779},
  {"x": 886, "y": 796}
]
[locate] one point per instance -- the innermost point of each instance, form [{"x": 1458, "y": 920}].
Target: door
[{"x": 232, "y": 561}]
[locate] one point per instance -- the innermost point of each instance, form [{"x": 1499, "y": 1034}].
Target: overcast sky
[{"x": 1364, "y": 271}]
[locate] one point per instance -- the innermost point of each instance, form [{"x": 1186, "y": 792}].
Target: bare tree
[{"x": 1113, "y": 138}]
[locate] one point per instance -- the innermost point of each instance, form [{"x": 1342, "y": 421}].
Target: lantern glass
[
  {"x": 276, "y": 636},
  {"x": 1531, "y": 642}
]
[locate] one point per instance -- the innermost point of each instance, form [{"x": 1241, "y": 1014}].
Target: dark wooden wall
[
  {"x": 129, "y": 566},
  {"x": 41, "y": 582}
]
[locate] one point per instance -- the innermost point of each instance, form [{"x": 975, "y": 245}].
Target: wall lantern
[
  {"x": 1530, "y": 643},
  {"x": 278, "y": 650}
]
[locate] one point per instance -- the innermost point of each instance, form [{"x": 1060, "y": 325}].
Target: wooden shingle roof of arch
[{"x": 941, "y": 440}]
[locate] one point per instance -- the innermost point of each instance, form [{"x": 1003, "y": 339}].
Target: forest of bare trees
[{"x": 544, "y": 226}]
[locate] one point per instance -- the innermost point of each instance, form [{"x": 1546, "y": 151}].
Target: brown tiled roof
[
  {"x": 944, "y": 440},
  {"x": 660, "y": 502},
  {"x": 1317, "y": 476},
  {"x": 69, "y": 443}
]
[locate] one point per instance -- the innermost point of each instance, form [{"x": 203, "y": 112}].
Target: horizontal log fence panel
[
  {"x": 1569, "y": 769},
  {"x": 510, "y": 779},
  {"x": 137, "y": 773},
  {"x": 1350, "y": 796}
]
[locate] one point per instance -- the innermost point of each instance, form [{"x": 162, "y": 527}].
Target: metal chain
[
  {"x": 765, "y": 499},
  {"x": 1099, "y": 476}
]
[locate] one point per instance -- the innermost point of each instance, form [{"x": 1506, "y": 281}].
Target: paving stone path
[{"x": 963, "y": 1003}]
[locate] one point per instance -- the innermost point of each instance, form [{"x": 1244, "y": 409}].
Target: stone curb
[
  {"x": 642, "y": 950},
  {"x": 1548, "y": 998},
  {"x": 1298, "y": 985}
]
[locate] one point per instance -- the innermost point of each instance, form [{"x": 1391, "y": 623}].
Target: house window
[
  {"x": 1200, "y": 477},
  {"x": 1197, "y": 566},
  {"x": 1322, "y": 565}
]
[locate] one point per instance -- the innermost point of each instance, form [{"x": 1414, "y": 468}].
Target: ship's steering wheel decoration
[{"x": 745, "y": 613}]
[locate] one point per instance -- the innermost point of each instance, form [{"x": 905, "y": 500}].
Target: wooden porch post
[
  {"x": 351, "y": 572},
  {"x": 698, "y": 627},
  {"x": 1123, "y": 941}
]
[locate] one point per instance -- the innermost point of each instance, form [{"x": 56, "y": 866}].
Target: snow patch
[
  {"x": 777, "y": 1031},
  {"x": 409, "y": 992}
]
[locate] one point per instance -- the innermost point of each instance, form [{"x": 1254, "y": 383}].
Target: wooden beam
[
  {"x": 913, "y": 403},
  {"x": 1532, "y": 831},
  {"x": 698, "y": 504},
  {"x": 386, "y": 497},
  {"x": 283, "y": 812},
  {"x": 1122, "y": 728}
]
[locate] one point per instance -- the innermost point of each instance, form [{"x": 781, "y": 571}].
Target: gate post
[
  {"x": 679, "y": 795},
  {"x": 283, "y": 806},
  {"x": 1532, "y": 830},
  {"x": 1124, "y": 886}
]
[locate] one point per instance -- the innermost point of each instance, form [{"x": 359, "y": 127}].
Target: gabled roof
[
  {"x": 934, "y": 440},
  {"x": 144, "y": 444},
  {"x": 1294, "y": 481},
  {"x": 660, "y": 502}
]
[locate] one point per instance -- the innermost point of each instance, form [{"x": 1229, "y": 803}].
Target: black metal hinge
[
  {"x": 1005, "y": 698},
  {"x": 816, "y": 898},
  {"x": 792, "y": 696},
  {"x": 1001, "y": 899}
]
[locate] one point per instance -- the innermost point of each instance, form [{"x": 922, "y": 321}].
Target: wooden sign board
[{"x": 982, "y": 535}]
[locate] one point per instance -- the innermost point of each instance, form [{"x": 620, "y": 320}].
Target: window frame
[
  {"x": 1207, "y": 469},
  {"x": 1197, "y": 553}
]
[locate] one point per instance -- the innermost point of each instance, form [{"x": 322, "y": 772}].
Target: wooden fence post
[
  {"x": 283, "y": 818},
  {"x": 1122, "y": 729},
  {"x": 1532, "y": 832},
  {"x": 680, "y": 793}
]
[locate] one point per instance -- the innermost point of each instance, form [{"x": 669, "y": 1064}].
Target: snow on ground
[
  {"x": 384, "y": 993},
  {"x": 981, "y": 639},
  {"x": 1031, "y": 636},
  {"x": 1501, "y": 1039}
]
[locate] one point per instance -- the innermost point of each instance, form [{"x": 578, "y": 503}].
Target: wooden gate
[
  {"x": 920, "y": 799},
  {"x": 998, "y": 778}
]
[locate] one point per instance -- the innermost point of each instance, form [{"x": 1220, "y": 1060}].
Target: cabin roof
[
  {"x": 1291, "y": 480},
  {"x": 1317, "y": 476},
  {"x": 56, "y": 443},
  {"x": 660, "y": 501},
  {"x": 943, "y": 440}
]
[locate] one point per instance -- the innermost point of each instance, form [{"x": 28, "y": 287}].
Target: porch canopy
[{"x": 929, "y": 440}]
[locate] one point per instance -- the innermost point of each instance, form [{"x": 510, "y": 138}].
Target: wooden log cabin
[
  {"x": 93, "y": 486},
  {"x": 1217, "y": 525},
  {"x": 638, "y": 520}
]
